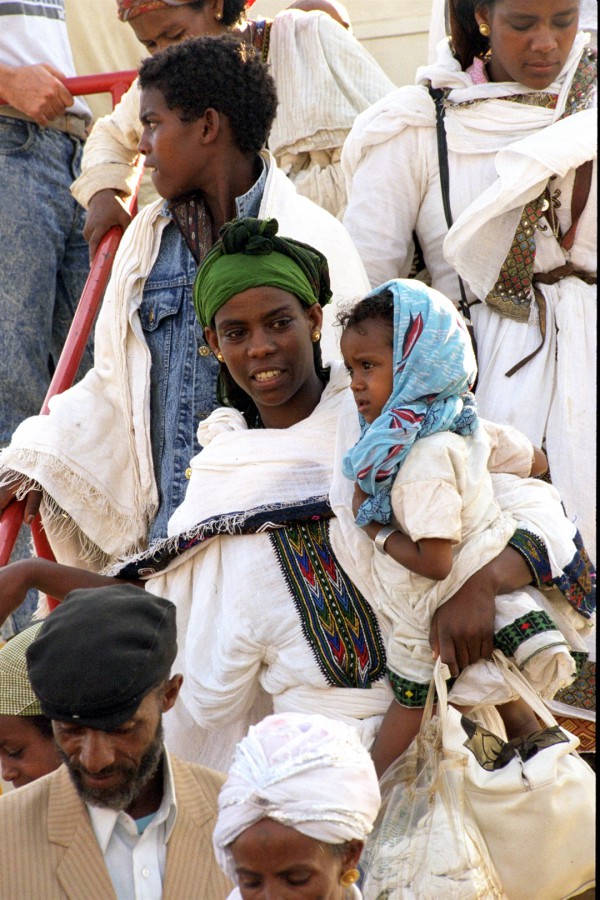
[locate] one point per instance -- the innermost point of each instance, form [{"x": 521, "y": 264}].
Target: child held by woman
[{"x": 424, "y": 494}]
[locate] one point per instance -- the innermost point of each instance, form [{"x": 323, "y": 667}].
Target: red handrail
[
  {"x": 113, "y": 83},
  {"x": 12, "y": 518}
]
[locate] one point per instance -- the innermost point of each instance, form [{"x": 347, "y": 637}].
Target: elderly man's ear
[{"x": 171, "y": 692}]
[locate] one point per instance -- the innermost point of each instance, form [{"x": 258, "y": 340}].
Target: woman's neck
[{"x": 296, "y": 409}]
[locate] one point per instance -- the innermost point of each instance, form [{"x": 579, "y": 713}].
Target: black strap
[{"x": 437, "y": 95}]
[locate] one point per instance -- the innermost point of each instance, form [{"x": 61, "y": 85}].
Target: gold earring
[
  {"x": 485, "y": 29},
  {"x": 349, "y": 878},
  {"x": 218, "y": 16},
  {"x": 220, "y": 356},
  {"x": 316, "y": 336}
]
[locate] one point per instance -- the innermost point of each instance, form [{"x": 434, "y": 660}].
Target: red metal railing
[{"x": 115, "y": 83}]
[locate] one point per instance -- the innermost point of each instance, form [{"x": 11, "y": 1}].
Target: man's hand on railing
[
  {"x": 37, "y": 91},
  {"x": 105, "y": 210},
  {"x": 32, "y": 500}
]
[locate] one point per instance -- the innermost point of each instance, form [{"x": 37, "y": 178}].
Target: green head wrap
[{"x": 249, "y": 253}]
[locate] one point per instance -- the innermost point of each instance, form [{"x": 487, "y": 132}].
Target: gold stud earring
[
  {"x": 316, "y": 336},
  {"x": 220, "y": 356},
  {"x": 485, "y": 29},
  {"x": 218, "y": 16},
  {"x": 349, "y": 877}
]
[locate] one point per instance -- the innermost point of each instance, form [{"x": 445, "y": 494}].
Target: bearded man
[{"x": 121, "y": 817}]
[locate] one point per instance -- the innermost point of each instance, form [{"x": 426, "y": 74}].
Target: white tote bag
[
  {"x": 533, "y": 800},
  {"x": 425, "y": 845}
]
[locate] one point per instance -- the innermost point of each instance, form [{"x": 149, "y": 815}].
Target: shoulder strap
[
  {"x": 581, "y": 191},
  {"x": 437, "y": 95}
]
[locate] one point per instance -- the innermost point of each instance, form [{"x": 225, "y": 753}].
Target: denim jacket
[{"x": 183, "y": 373}]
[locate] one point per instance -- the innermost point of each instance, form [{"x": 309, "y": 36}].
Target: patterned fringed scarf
[{"x": 513, "y": 292}]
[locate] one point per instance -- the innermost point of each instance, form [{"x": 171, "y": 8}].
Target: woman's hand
[{"x": 462, "y": 629}]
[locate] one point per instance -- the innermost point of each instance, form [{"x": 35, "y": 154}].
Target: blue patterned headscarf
[{"x": 434, "y": 367}]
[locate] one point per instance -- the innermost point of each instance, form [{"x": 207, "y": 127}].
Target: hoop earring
[
  {"x": 349, "y": 878},
  {"x": 485, "y": 30},
  {"x": 316, "y": 336}
]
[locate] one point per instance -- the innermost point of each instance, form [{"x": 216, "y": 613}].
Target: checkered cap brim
[{"x": 16, "y": 694}]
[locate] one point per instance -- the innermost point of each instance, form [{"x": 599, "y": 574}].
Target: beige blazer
[{"x": 48, "y": 850}]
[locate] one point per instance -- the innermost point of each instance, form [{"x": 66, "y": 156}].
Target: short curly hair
[
  {"x": 375, "y": 307},
  {"x": 219, "y": 72}
]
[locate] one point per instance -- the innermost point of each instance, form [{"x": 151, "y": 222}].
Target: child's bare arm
[
  {"x": 44, "y": 575},
  {"x": 430, "y": 557}
]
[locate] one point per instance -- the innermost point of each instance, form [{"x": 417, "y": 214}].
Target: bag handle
[
  {"x": 441, "y": 673},
  {"x": 520, "y": 684},
  {"x": 512, "y": 676}
]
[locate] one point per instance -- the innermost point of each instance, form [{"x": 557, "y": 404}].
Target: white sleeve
[
  {"x": 223, "y": 655},
  {"x": 110, "y": 150},
  {"x": 384, "y": 201}
]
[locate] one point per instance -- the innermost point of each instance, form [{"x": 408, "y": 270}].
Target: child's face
[
  {"x": 367, "y": 352},
  {"x": 173, "y": 152}
]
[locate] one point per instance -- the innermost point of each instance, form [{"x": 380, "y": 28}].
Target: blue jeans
[
  {"x": 43, "y": 268},
  {"x": 43, "y": 262}
]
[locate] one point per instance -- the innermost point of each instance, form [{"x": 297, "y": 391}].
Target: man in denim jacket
[{"x": 112, "y": 456}]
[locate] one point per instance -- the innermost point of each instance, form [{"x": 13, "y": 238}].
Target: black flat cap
[{"x": 100, "y": 652}]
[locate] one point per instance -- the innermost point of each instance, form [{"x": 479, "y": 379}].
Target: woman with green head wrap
[
  {"x": 259, "y": 297},
  {"x": 266, "y": 585}
]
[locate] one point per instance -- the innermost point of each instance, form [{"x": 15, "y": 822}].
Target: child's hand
[{"x": 358, "y": 499}]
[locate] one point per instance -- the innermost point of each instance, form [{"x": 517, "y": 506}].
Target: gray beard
[{"x": 122, "y": 797}]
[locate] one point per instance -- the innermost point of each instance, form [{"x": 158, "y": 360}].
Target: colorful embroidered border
[
  {"x": 533, "y": 549},
  {"x": 512, "y": 294},
  {"x": 581, "y": 693},
  {"x": 408, "y": 693},
  {"x": 337, "y": 621},
  {"x": 261, "y": 36},
  {"x": 158, "y": 556},
  {"x": 583, "y": 84},
  {"x": 577, "y": 583},
  {"x": 510, "y": 638}
]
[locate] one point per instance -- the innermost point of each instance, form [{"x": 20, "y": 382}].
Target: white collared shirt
[{"x": 136, "y": 862}]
